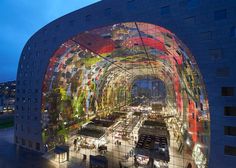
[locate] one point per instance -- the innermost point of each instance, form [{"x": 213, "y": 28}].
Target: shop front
[{"x": 198, "y": 156}]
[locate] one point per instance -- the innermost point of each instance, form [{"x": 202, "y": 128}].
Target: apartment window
[
  {"x": 37, "y": 53},
  {"x": 24, "y": 82},
  {"x": 16, "y": 138},
  {"x": 45, "y": 41},
  {"x": 215, "y": 54},
  {"x": 227, "y": 91},
  {"x": 26, "y": 74},
  {"x": 23, "y": 141},
  {"x": 72, "y": 22},
  {"x": 88, "y": 17},
  {"x": 206, "y": 35},
  {"x": 229, "y": 130},
  {"x": 130, "y": 4},
  {"x": 220, "y": 14},
  {"x": 190, "y": 20},
  {"x": 29, "y": 91},
  {"x": 45, "y": 31},
  {"x": 22, "y": 127},
  {"x": 38, "y": 146},
  {"x": 107, "y": 12},
  {"x": 230, "y": 110},
  {"x": 30, "y": 144},
  {"x": 223, "y": 72},
  {"x": 54, "y": 39},
  {"x": 230, "y": 150},
  {"x": 192, "y": 3},
  {"x": 233, "y": 31},
  {"x": 165, "y": 10},
  {"x": 45, "y": 51},
  {"x": 28, "y": 130},
  {"x": 57, "y": 27}
]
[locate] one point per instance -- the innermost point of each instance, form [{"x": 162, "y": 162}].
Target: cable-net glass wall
[{"x": 131, "y": 93}]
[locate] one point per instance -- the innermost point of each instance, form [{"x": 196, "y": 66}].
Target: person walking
[{"x": 75, "y": 143}]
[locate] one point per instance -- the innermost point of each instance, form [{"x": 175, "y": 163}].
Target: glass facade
[{"x": 102, "y": 74}]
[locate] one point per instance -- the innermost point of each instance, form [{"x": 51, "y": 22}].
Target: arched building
[{"x": 102, "y": 59}]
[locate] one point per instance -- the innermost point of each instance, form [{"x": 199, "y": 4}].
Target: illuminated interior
[{"x": 126, "y": 70}]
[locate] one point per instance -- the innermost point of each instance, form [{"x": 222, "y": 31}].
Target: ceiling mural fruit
[{"x": 95, "y": 73}]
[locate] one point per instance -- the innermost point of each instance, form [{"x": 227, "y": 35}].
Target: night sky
[{"x": 20, "y": 19}]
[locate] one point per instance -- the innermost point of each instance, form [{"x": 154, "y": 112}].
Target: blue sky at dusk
[{"x": 20, "y": 19}]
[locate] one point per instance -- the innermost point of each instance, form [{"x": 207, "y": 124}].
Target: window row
[
  {"x": 28, "y": 128},
  {"x": 28, "y": 143},
  {"x": 230, "y": 110},
  {"x": 230, "y": 130},
  {"x": 35, "y": 100},
  {"x": 227, "y": 91},
  {"x": 230, "y": 150},
  {"x": 29, "y": 91}
]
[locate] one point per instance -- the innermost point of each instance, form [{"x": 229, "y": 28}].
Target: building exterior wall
[
  {"x": 207, "y": 27},
  {"x": 7, "y": 97}
]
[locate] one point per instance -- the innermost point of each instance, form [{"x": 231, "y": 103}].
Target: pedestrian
[
  {"x": 75, "y": 143},
  {"x": 120, "y": 164},
  {"x": 46, "y": 147}
]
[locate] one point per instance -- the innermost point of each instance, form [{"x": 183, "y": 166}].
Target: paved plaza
[{"x": 13, "y": 157}]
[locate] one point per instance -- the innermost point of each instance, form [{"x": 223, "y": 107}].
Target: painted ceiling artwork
[{"x": 93, "y": 73}]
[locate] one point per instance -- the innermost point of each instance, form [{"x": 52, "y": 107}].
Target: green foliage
[
  {"x": 6, "y": 123},
  {"x": 63, "y": 132}
]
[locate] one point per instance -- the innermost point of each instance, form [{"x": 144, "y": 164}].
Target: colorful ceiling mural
[{"x": 93, "y": 73}]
